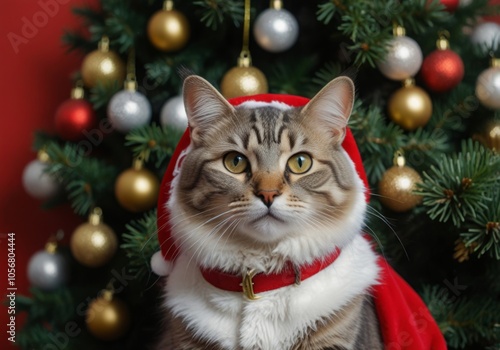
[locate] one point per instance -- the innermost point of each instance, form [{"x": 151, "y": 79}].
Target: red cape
[{"x": 405, "y": 321}]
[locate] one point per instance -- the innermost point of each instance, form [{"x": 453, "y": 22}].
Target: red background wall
[{"x": 35, "y": 77}]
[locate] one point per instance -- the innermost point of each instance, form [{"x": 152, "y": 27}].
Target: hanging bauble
[
  {"x": 102, "y": 66},
  {"x": 173, "y": 114},
  {"x": 136, "y": 189},
  {"x": 442, "y": 69},
  {"x": 410, "y": 107},
  {"x": 244, "y": 79},
  {"x": 107, "y": 317},
  {"x": 93, "y": 243},
  {"x": 486, "y": 35},
  {"x": 37, "y": 181},
  {"x": 48, "y": 269},
  {"x": 74, "y": 116},
  {"x": 276, "y": 29},
  {"x": 488, "y": 85},
  {"x": 397, "y": 185},
  {"x": 168, "y": 29},
  {"x": 464, "y": 3},
  {"x": 403, "y": 59},
  {"x": 129, "y": 109},
  {"x": 489, "y": 135}
]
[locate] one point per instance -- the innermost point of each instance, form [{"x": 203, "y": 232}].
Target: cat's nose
[{"x": 267, "y": 196}]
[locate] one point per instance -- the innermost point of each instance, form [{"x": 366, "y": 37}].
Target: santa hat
[{"x": 405, "y": 321}]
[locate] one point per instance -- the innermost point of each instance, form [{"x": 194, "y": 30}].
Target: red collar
[{"x": 253, "y": 283}]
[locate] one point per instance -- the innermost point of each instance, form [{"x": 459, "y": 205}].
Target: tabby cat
[{"x": 266, "y": 190}]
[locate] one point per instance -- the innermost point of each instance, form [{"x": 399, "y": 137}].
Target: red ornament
[
  {"x": 442, "y": 69},
  {"x": 75, "y": 116},
  {"x": 450, "y": 5}
]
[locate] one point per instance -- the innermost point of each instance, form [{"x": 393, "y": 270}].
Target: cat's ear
[
  {"x": 331, "y": 108},
  {"x": 204, "y": 106}
]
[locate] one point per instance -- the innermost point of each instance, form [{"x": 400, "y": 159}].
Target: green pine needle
[
  {"x": 140, "y": 242},
  {"x": 484, "y": 230},
  {"x": 461, "y": 185},
  {"x": 153, "y": 141},
  {"x": 463, "y": 321},
  {"x": 215, "y": 12},
  {"x": 88, "y": 181}
]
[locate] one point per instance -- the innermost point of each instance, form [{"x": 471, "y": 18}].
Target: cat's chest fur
[{"x": 286, "y": 318}]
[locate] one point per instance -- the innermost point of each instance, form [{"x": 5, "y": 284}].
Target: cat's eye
[
  {"x": 300, "y": 163},
  {"x": 235, "y": 162}
]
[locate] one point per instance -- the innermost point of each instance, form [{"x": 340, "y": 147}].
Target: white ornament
[
  {"x": 37, "y": 182},
  {"x": 129, "y": 109},
  {"x": 403, "y": 60},
  {"x": 276, "y": 30},
  {"x": 488, "y": 88},
  {"x": 48, "y": 271},
  {"x": 486, "y": 35},
  {"x": 173, "y": 114}
]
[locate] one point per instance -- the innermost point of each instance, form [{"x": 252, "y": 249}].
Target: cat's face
[{"x": 266, "y": 172}]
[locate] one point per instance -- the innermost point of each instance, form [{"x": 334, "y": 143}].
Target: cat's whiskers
[
  {"x": 190, "y": 217},
  {"x": 185, "y": 218},
  {"x": 207, "y": 236},
  {"x": 372, "y": 211}
]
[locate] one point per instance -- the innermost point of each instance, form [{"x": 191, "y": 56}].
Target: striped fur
[{"x": 222, "y": 220}]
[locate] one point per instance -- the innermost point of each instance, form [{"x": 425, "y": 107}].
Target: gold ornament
[
  {"x": 102, "y": 66},
  {"x": 397, "y": 185},
  {"x": 137, "y": 188},
  {"x": 107, "y": 318},
  {"x": 243, "y": 80},
  {"x": 93, "y": 243},
  {"x": 490, "y": 135},
  {"x": 410, "y": 107},
  {"x": 168, "y": 29}
]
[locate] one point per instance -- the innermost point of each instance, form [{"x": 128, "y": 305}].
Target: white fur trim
[
  {"x": 160, "y": 266},
  {"x": 256, "y": 104},
  {"x": 281, "y": 316}
]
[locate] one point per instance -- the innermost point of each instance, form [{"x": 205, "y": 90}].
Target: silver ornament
[
  {"x": 37, "y": 182},
  {"x": 276, "y": 30},
  {"x": 48, "y": 271},
  {"x": 486, "y": 35},
  {"x": 403, "y": 59},
  {"x": 128, "y": 110},
  {"x": 173, "y": 114},
  {"x": 488, "y": 88}
]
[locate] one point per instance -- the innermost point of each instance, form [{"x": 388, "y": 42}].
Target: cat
[{"x": 265, "y": 189}]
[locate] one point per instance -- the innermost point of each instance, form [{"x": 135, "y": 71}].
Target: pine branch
[
  {"x": 45, "y": 311},
  {"x": 463, "y": 321},
  {"x": 102, "y": 93},
  {"x": 461, "y": 185},
  {"x": 282, "y": 82},
  {"x": 153, "y": 141},
  {"x": 376, "y": 140},
  {"x": 214, "y": 12},
  {"x": 368, "y": 24},
  {"x": 483, "y": 231},
  {"x": 140, "y": 243},
  {"x": 87, "y": 181}
]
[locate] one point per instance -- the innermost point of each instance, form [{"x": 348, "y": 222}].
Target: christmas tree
[{"x": 426, "y": 121}]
